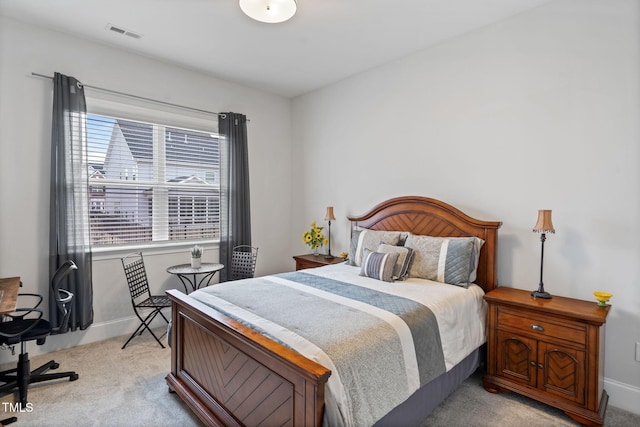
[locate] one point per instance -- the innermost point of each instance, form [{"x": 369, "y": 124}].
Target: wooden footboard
[{"x": 231, "y": 375}]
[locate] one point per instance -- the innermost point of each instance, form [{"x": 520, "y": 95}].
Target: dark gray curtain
[
  {"x": 69, "y": 215},
  {"x": 235, "y": 219}
]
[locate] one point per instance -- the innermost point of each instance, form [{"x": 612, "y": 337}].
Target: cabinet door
[
  {"x": 516, "y": 358},
  {"x": 563, "y": 371}
]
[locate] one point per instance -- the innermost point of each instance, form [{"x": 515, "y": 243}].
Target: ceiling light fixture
[{"x": 269, "y": 11}]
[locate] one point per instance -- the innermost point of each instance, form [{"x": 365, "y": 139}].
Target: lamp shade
[
  {"x": 544, "y": 224},
  {"x": 269, "y": 11},
  {"x": 329, "y": 215}
]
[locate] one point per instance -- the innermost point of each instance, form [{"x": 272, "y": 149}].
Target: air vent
[{"x": 123, "y": 31}]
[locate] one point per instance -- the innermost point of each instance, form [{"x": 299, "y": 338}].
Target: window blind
[{"x": 151, "y": 183}]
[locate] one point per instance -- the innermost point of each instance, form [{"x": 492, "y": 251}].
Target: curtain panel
[
  {"x": 69, "y": 214},
  {"x": 235, "y": 215}
]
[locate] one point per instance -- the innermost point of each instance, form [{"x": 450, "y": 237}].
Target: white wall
[
  {"x": 25, "y": 128},
  {"x": 540, "y": 111}
]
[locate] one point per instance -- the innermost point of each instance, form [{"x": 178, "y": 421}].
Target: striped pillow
[
  {"x": 378, "y": 265},
  {"x": 401, "y": 269}
]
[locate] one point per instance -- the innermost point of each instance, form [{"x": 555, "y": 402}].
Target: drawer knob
[
  {"x": 537, "y": 327},
  {"x": 540, "y": 366}
]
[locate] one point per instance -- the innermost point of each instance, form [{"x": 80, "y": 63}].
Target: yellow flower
[{"x": 314, "y": 237}]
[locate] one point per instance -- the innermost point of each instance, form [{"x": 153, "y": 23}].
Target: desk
[
  {"x": 9, "y": 288},
  {"x": 183, "y": 271}
]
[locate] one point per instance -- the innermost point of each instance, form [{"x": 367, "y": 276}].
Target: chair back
[
  {"x": 136, "y": 274},
  {"x": 243, "y": 262},
  {"x": 62, "y": 296}
]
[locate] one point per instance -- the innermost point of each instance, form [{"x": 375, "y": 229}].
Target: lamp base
[
  {"x": 541, "y": 294},
  {"x": 328, "y": 256}
]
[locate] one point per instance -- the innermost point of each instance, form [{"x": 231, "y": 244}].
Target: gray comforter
[{"x": 380, "y": 347}]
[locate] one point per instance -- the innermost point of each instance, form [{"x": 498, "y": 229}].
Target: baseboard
[
  {"x": 96, "y": 332},
  {"x": 623, "y": 396}
]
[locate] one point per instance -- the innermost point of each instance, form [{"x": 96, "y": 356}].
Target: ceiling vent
[{"x": 123, "y": 31}]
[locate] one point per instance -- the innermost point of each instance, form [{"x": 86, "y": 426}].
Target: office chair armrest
[
  {"x": 26, "y": 311},
  {"x": 34, "y": 308},
  {"x": 37, "y": 296},
  {"x": 33, "y": 321}
]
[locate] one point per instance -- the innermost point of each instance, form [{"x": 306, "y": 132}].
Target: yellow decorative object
[
  {"x": 344, "y": 255},
  {"x": 314, "y": 237},
  {"x": 603, "y": 298}
]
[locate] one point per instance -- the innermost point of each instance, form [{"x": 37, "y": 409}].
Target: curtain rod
[{"x": 137, "y": 97}]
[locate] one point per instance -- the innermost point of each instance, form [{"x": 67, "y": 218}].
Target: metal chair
[
  {"x": 26, "y": 324},
  {"x": 141, "y": 298},
  {"x": 243, "y": 262}
]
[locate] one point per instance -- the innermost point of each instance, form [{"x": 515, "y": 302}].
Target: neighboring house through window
[{"x": 151, "y": 183}]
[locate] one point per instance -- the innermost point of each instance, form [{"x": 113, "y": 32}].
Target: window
[{"x": 151, "y": 183}]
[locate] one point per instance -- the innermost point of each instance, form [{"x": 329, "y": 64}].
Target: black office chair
[
  {"x": 8, "y": 421},
  {"x": 243, "y": 262},
  {"x": 141, "y": 297},
  {"x": 26, "y": 324}
]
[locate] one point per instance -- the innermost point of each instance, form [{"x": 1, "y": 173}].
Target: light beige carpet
[
  {"x": 127, "y": 388},
  {"x": 471, "y": 405},
  {"x": 116, "y": 388}
]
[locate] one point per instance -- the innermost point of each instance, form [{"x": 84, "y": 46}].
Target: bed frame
[{"x": 232, "y": 375}]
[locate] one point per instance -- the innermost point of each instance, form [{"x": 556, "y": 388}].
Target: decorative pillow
[
  {"x": 369, "y": 239},
  {"x": 452, "y": 260},
  {"x": 353, "y": 246},
  {"x": 405, "y": 254},
  {"x": 476, "y": 258},
  {"x": 378, "y": 265}
]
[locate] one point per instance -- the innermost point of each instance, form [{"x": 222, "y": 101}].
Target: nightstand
[
  {"x": 551, "y": 350},
  {"x": 313, "y": 261}
]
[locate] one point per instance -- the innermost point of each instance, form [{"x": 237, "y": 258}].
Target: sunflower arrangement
[{"x": 314, "y": 237}]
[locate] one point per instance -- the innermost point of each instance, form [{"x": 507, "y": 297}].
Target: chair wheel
[
  {"x": 73, "y": 377},
  {"x": 55, "y": 366}
]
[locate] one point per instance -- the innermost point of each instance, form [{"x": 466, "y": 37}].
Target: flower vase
[
  {"x": 196, "y": 262},
  {"x": 316, "y": 252}
]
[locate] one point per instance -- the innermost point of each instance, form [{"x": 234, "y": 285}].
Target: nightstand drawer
[
  {"x": 302, "y": 264},
  {"x": 313, "y": 261},
  {"x": 538, "y": 325}
]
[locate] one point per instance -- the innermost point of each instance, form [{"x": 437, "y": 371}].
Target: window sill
[{"x": 117, "y": 252}]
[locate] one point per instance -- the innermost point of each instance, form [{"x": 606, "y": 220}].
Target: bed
[{"x": 233, "y": 370}]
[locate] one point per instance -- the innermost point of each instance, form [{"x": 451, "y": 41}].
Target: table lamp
[
  {"x": 329, "y": 217},
  {"x": 543, "y": 226}
]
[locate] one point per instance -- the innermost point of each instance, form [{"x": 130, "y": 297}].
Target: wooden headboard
[{"x": 425, "y": 216}]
